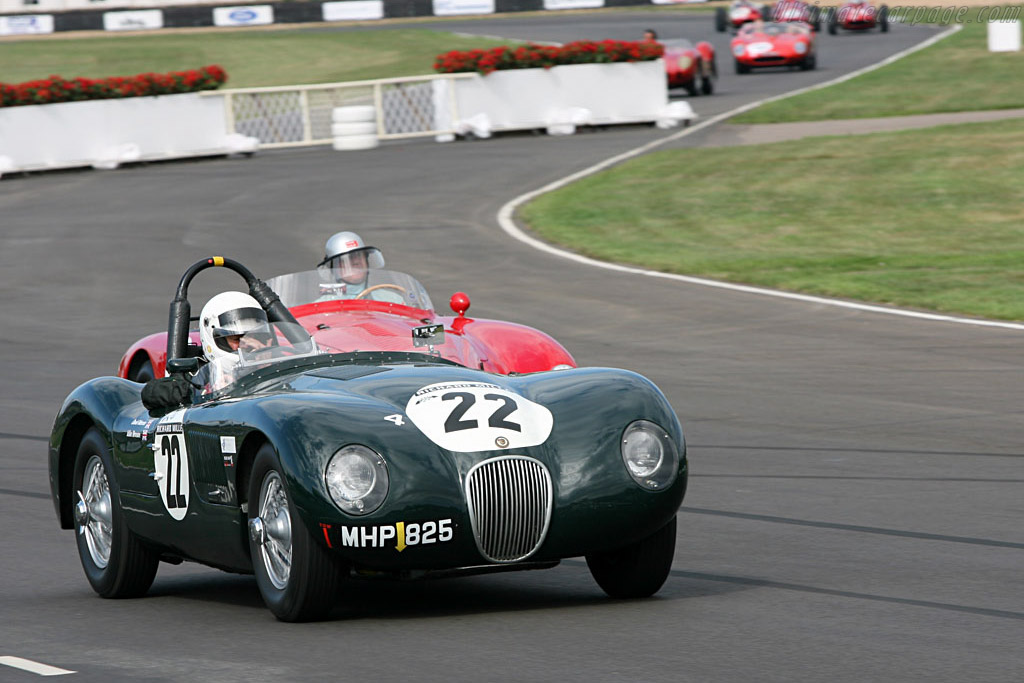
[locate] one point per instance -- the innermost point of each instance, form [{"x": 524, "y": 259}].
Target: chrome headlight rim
[
  {"x": 357, "y": 479},
  {"x": 649, "y": 455}
]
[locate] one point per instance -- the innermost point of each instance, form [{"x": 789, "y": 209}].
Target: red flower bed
[
  {"x": 533, "y": 56},
  {"x": 57, "y": 89}
]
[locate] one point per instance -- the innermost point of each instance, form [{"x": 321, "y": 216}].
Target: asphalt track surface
[{"x": 855, "y": 503}]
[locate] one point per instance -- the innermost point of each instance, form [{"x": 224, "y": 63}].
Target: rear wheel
[
  {"x": 143, "y": 373},
  {"x": 816, "y": 19},
  {"x": 639, "y": 570},
  {"x": 833, "y": 21},
  {"x": 298, "y": 580},
  {"x": 116, "y": 563},
  {"x": 706, "y": 86},
  {"x": 721, "y": 19},
  {"x": 883, "y": 18}
]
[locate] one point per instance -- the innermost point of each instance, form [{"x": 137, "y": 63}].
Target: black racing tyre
[
  {"x": 297, "y": 578},
  {"x": 706, "y": 86},
  {"x": 816, "y": 19},
  {"x": 638, "y": 570},
  {"x": 116, "y": 563},
  {"x": 833, "y": 21},
  {"x": 691, "y": 88},
  {"x": 742, "y": 68},
  {"x": 810, "y": 63},
  {"x": 143, "y": 373},
  {"x": 883, "y": 18},
  {"x": 721, "y": 19}
]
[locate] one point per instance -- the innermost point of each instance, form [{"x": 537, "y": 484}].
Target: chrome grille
[{"x": 509, "y": 502}]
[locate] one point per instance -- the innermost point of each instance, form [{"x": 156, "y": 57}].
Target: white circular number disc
[{"x": 475, "y": 416}]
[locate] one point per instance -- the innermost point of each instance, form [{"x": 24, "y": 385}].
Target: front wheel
[
  {"x": 639, "y": 570},
  {"x": 809, "y": 63},
  {"x": 116, "y": 563},
  {"x": 298, "y": 580},
  {"x": 742, "y": 68},
  {"x": 706, "y": 86}
]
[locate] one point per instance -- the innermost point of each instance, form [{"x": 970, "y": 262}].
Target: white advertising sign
[
  {"x": 572, "y": 4},
  {"x": 133, "y": 20},
  {"x": 353, "y": 10},
  {"x": 445, "y": 8},
  {"x": 465, "y": 417},
  {"x": 252, "y": 15},
  {"x": 26, "y": 24},
  {"x": 676, "y": 2}
]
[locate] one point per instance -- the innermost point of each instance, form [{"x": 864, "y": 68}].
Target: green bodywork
[{"x": 309, "y": 408}]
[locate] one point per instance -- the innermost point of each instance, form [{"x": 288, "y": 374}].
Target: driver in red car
[{"x": 347, "y": 263}]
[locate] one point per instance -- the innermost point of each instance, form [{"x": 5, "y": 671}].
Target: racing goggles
[{"x": 238, "y": 322}]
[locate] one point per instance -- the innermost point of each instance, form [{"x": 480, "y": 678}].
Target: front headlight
[
  {"x": 357, "y": 479},
  {"x": 649, "y": 454},
  {"x": 800, "y": 48},
  {"x": 684, "y": 62},
  {"x": 737, "y": 50}
]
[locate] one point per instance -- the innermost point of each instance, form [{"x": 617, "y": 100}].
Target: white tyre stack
[{"x": 354, "y": 127}]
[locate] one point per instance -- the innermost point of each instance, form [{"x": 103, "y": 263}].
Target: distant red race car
[
  {"x": 690, "y": 66},
  {"x": 858, "y": 15},
  {"x": 774, "y": 44},
  {"x": 393, "y": 313},
  {"x": 740, "y": 12},
  {"x": 795, "y": 10}
]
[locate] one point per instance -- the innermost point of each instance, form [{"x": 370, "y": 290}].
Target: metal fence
[{"x": 292, "y": 116}]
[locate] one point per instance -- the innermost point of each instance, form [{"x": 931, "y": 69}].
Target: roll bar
[{"x": 181, "y": 310}]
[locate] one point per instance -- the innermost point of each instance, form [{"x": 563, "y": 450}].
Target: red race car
[
  {"x": 858, "y": 15},
  {"x": 690, "y": 66},
  {"x": 393, "y": 313},
  {"x": 795, "y": 10},
  {"x": 740, "y": 12},
  {"x": 774, "y": 44}
]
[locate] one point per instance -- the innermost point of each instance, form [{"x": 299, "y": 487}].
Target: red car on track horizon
[
  {"x": 690, "y": 66},
  {"x": 393, "y": 313},
  {"x": 858, "y": 15},
  {"x": 739, "y": 13},
  {"x": 763, "y": 44}
]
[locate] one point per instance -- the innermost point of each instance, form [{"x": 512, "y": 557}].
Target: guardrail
[{"x": 298, "y": 115}]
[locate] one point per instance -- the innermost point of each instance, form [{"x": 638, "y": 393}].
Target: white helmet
[
  {"x": 227, "y": 314},
  {"x": 345, "y": 244}
]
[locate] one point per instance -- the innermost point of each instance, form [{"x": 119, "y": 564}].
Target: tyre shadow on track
[{"x": 567, "y": 586}]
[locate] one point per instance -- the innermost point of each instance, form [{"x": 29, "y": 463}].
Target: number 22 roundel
[
  {"x": 476, "y": 416},
  {"x": 170, "y": 460}
]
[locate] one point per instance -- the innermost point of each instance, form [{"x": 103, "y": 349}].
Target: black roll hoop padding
[{"x": 181, "y": 310}]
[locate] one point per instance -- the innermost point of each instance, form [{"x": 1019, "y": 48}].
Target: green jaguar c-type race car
[{"x": 309, "y": 468}]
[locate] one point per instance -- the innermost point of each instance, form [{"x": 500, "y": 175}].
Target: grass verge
[
  {"x": 957, "y": 74},
  {"x": 251, "y": 58},
  {"x": 930, "y": 219}
]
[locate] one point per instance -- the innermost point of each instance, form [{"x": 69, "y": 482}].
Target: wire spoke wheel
[
  {"x": 277, "y": 548},
  {"x": 96, "y": 524}
]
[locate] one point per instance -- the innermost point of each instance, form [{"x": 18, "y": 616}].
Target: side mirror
[{"x": 177, "y": 366}]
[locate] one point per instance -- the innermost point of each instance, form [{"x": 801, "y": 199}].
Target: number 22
[{"x": 455, "y": 423}]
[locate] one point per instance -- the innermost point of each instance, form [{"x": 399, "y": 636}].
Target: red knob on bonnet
[{"x": 459, "y": 303}]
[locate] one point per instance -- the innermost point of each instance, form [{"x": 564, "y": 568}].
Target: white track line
[
  {"x": 33, "y": 667},
  {"x": 508, "y": 224}
]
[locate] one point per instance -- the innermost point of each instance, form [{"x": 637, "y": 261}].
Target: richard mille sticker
[
  {"x": 477, "y": 416},
  {"x": 170, "y": 462}
]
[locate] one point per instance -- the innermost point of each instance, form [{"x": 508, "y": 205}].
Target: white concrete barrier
[
  {"x": 106, "y": 133},
  {"x": 1004, "y": 36}
]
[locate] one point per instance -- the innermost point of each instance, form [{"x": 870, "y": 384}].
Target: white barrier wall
[
  {"x": 12, "y": 6},
  {"x": 593, "y": 94},
  {"x": 103, "y": 133}
]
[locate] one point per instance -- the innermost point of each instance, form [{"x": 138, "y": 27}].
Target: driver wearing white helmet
[
  {"x": 347, "y": 263},
  {"x": 229, "y": 321}
]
